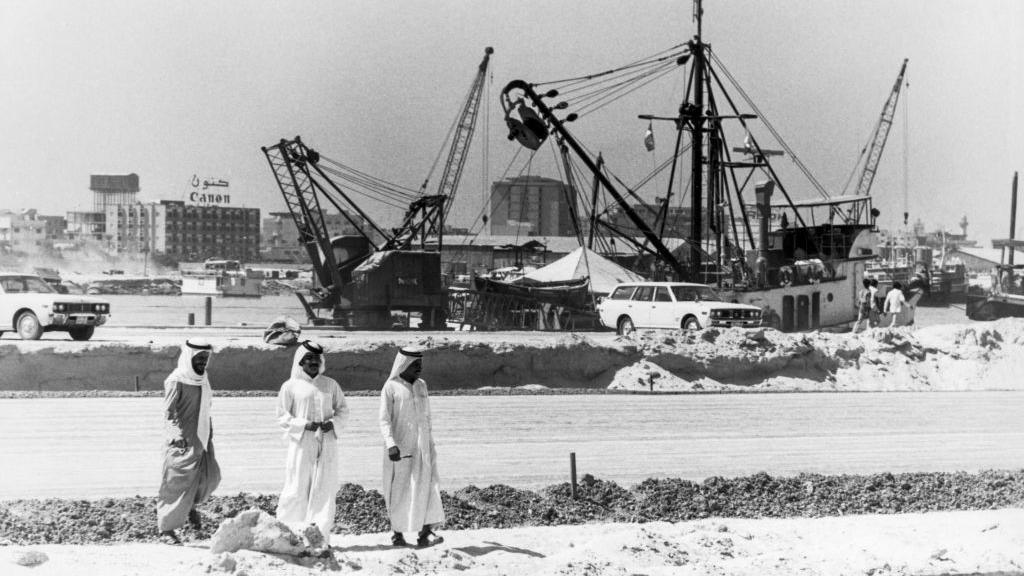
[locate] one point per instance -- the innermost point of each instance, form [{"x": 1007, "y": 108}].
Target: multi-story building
[
  {"x": 531, "y": 206},
  {"x": 279, "y": 241},
  {"x": 677, "y": 221},
  {"x": 107, "y": 190},
  {"x": 113, "y": 190},
  {"x": 23, "y": 232},
  {"x": 185, "y": 231}
]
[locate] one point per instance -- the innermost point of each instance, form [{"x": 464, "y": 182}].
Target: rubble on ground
[{"x": 110, "y": 520}]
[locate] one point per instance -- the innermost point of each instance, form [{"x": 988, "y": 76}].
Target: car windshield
[
  {"x": 695, "y": 294},
  {"x": 15, "y": 284}
]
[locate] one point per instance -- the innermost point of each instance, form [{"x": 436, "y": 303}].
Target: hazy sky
[{"x": 172, "y": 89}]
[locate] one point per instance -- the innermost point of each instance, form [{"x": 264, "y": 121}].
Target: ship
[
  {"x": 220, "y": 278},
  {"x": 801, "y": 261}
]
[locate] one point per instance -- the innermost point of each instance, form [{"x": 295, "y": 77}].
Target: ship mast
[{"x": 697, "y": 146}]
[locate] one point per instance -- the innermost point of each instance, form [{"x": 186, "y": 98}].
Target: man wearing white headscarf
[
  {"x": 311, "y": 408},
  {"x": 190, "y": 470},
  {"x": 412, "y": 490}
]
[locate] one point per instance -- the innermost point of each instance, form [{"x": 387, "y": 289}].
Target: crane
[
  {"x": 873, "y": 152},
  {"x": 363, "y": 280},
  {"x": 430, "y": 211}
]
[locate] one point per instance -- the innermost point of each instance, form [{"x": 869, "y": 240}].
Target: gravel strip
[{"x": 118, "y": 520}]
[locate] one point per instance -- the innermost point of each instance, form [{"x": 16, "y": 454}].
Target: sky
[{"x": 172, "y": 89}]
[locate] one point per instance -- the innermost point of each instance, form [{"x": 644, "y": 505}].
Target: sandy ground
[{"x": 986, "y": 542}]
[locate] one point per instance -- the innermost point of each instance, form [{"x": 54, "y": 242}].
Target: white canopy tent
[{"x": 604, "y": 274}]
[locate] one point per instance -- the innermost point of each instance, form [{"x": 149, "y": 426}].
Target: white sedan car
[
  {"x": 672, "y": 305},
  {"x": 30, "y": 307}
]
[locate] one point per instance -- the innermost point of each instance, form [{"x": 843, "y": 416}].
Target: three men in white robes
[{"x": 411, "y": 483}]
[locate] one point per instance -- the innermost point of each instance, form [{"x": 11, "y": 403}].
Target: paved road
[{"x": 94, "y": 447}]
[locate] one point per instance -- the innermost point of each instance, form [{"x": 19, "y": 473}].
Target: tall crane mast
[
  {"x": 881, "y": 134},
  {"x": 438, "y": 205}
]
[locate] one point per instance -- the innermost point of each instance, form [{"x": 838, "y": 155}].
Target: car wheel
[
  {"x": 29, "y": 327},
  {"x": 690, "y": 323},
  {"x": 626, "y": 326},
  {"x": 83, "y": 333}
]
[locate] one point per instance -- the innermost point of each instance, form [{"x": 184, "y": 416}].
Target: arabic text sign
[{"x": 205, "y": 191}]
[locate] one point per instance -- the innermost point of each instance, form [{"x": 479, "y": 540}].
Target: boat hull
[
  {"x": 220, "y": 285},
  {"x": 830, "y": 304}
]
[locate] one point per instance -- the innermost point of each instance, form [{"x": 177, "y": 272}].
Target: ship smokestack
[{"x": 763, "y": 195}]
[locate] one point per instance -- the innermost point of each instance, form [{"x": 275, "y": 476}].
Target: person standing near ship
[
  {"x": 312, "y": 409},
  {"x": 190, "y": 470},
  {"x": 894, "y": 303},
  {"x": 865, "y": 304}
]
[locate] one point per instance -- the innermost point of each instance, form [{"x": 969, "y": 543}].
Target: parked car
[
  {"x": 30, "y": 306},
  {"x": 672, "y": 305}
]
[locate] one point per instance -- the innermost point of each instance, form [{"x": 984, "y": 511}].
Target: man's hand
[
  {"x": 394, "y": 454},
  {"x": 327, "y": 426},
  {"x": 311, "y": 426},
  {"x": 179, "y": 443}
]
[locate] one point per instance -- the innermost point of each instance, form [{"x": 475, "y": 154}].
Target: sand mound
[
  {"x": 950, "y": 357},
  {"x": 953, "y": 357}
]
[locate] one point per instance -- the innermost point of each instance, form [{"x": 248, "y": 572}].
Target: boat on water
[
  {"x": 801, "y": 261},
  {"x": 221, "y": 278}
]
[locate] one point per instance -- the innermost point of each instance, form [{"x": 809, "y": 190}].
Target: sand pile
[{"x": 949, "y": 357}]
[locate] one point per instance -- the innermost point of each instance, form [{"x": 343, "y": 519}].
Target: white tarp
[{"x": 604, "y": 274}]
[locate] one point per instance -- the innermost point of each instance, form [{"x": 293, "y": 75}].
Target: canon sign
[{"x": 202, "y": 195}]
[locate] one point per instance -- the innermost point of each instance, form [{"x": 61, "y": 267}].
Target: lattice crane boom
[{"x": 881, "y": 134}]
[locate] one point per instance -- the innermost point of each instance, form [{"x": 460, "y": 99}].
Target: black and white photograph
[{"x": 494, "y": 287}]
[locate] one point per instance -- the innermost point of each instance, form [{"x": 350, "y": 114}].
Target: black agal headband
[
  {"x": 313, "y": 347},
  {"x": 198, "y": 346}
]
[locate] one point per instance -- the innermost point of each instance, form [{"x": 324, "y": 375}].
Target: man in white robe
[
  {"x": 412, "y": 490},
  {"x": 190, "y": 470},
  {"x": 311, "y": 408}
]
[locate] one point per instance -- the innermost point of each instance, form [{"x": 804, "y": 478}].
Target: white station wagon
[
  {"x": 672, "y": 305},
  {"x": 30, "y": 306}
]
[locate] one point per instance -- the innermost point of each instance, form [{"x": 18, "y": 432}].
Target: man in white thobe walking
[
  {"x": 190, "y": 470},
  {"x": 412, "y": 490},
  {"x": 311, "y": 408}
]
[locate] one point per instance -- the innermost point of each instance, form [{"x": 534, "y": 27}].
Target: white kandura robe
[
  {"x": 190, "y": 474},
  {"x": 311, "y": 479},
  {"x": 412, "y": 490}
]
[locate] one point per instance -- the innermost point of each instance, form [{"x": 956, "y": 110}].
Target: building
[
  {"x": 981, "y": 260},
  {"x": 183, "y": 231},
  {"x": 107, "y": 190},
  {"x": 113, "y": 190},
  {"x": 279, "y": 241},
  {"x": 23, "y": 232},
  {"x": 531, "y": 206},
  {"x": 677, "y": 221}
]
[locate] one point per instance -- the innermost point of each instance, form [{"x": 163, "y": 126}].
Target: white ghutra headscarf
[
  {"x": 307, "y": 347},
  {"x": 185, "y": 374},
  {"x": 405, "y": 357}
]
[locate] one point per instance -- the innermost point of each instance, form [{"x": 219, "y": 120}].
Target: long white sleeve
[
  {"x": 294, "y": 426},
  {"x": 384, "y": 415},
  {"x": 173, "y": 427},
  {"x": 340, "y": 406}
]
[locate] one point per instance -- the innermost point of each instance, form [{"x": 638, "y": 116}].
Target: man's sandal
[
  {"x": 170, "y": 538},
  {"x": 428, "y": 539},
  {"x": 195, "y": 519},
  {"x": 398, "y": 540}
]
